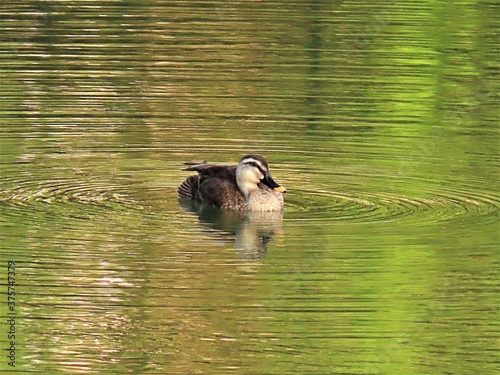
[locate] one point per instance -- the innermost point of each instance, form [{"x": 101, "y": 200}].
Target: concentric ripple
[
  {"x": 439, "y": 206},
  {"x": 62, "y": 196}
]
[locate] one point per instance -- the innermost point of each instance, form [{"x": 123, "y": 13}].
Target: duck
[{"x": 248, "y": 186}]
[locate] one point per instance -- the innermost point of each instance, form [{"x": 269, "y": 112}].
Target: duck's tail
[{"x": 185, "y": 190}]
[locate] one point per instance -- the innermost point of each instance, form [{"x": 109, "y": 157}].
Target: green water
[{"x": 381, "y": 120}]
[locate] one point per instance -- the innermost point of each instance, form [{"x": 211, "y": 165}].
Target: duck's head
[{"x": 254, "y": 169}]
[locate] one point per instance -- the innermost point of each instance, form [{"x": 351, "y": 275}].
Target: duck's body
[{"x": 249, "y": 186}]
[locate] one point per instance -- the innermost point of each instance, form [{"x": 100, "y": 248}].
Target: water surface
[{"x": 380, "y": 119}]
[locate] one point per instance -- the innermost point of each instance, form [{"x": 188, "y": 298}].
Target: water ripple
[
  {"x": 81, "y": 199},
  {"x": 63, "y": 196},
  {"x": 333, "y": 206}
]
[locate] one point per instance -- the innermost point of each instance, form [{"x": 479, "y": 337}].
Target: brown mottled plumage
[{"x": 246, "y": 187}]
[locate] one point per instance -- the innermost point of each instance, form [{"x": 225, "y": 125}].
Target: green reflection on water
[{"x": 381, "y": 120}]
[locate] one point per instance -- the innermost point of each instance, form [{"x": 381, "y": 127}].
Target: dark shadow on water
[{"x": 252, "y": 231}]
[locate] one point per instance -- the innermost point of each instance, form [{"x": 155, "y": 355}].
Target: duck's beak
[{"x": 268, "y": 181}]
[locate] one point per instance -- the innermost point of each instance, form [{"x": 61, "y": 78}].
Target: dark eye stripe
[
  {"x": 260, "y": 169},
  {"x": 256, "y": 166}
]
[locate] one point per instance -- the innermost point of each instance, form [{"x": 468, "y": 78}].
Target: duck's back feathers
[{"x": 214, "y": 185}]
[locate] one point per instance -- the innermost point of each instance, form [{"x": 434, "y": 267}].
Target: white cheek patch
[
  {"x": 254, "y": 173},
  {"x": 251, "y": 174}
]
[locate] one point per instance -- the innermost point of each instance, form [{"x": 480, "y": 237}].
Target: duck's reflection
[{"x": 253, "y": 230}]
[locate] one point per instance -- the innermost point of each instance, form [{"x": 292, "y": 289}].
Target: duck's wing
[
  {"x": 190, "y": 187},
  {"x": 220, "y": 192},
  {"x": 214, "y": 185}
]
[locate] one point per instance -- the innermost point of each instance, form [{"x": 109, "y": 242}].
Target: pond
[{"x": 380, "y": 119}]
